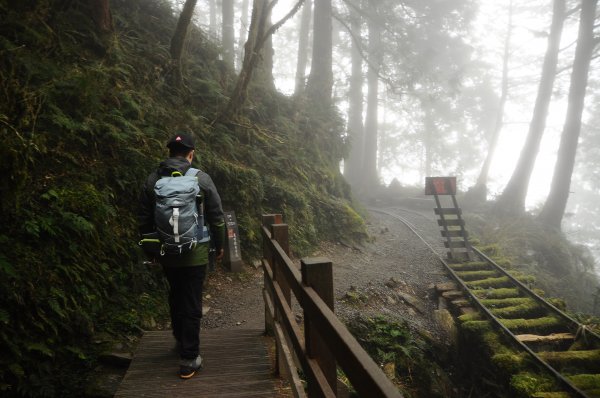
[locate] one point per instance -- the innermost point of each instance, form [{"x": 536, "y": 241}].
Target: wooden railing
[{"x": 324, "y": 343}]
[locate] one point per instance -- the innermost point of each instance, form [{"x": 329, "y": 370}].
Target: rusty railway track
[{"x": 555, "y": 341}]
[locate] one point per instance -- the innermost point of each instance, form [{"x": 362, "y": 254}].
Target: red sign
[{"x": 440, "y": 185}]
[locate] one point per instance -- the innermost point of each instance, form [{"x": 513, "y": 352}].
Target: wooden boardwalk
[{"x": 236, "y": 364}]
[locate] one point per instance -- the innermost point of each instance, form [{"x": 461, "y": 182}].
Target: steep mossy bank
[
  {"x": 561, "y": 268},
  {"x": 83, "y": 119}
]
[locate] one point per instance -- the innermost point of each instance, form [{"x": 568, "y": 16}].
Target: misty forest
[{"x": 322, "y": 111}]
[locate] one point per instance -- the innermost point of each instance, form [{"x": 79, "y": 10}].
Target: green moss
[
  {"x": 476, "y": 326},
  {"x": 558, "y": 303},
  {"x": 470, "y": 266},
  {"x": 498, "y": 282},
  {"x": 503, "y": 262},
  {"x": 507, "y": 302},
  {"x": 476, "y": 275},
  {"x": 523, "y": 278},
  {"x": 527, "y": 309},
  {"x": 499, "y": 293},
  {"x": 527, "y": 383},
  {"x": 536, "y": 325},
  {"x": 491, "y": 249},
  {"x": 510, "y": 362},
  {"x": 588, "y": 360},
  {"x": 554, "y": 394},
  {"x": 586, "y": 381}
]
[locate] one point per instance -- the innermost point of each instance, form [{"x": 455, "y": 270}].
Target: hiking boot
[{"x": 189, "y": 367}]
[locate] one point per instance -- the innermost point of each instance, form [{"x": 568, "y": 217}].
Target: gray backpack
[{"x": 178, "y": 213}]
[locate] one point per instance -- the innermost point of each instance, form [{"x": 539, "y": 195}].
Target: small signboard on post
[
  {"x": 233, "y": 253},
  {"x": 440, "y": 185}
]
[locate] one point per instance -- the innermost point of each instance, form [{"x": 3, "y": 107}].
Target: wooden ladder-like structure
[{"x": 450, "y": 218}]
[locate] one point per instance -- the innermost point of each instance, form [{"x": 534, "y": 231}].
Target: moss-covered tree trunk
[
  {"x": 227, "y": 33},
  {"x": 512, "y": 199},
  {"x": 554, "y": 208},
  {"x": 353, "y": 165},
  {"x": 320, "y": 79},
  {"x": 303, "y": 47},
  {"x": 178, "y": 39}
]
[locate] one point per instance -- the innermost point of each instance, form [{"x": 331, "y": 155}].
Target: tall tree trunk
[
  {"x": 243, "y": 33},
  {"x": 554, "y": 208},
  {"x": 513, "y": 198},
  {"x": 227, "y": 34},
  {"x": 303, "y": 47},
  {"x": 178, "y": 40},
  {"x": 353, "y": 165},
  {"x": 264, "y": 70},
  {"x": 212, "y": 10},
  {"x": 101, "y": 15},
  {"x": 320, "y": 80},
  {"x": 257, "y": 37},
  {"x": 480, "y": 188},
  {"x": 371, "y": 179}
]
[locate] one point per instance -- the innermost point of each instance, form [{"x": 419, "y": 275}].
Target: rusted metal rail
[
  {"x": 573, "y": 326},
  {"x": 323, "y": 343}
]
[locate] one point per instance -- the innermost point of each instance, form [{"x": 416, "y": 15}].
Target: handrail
[{"x": 325, "y": 341}]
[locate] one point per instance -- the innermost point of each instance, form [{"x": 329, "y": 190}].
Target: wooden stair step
[
  {"x": 453, "y": 294},
  {"x": 551, "y": 338}
]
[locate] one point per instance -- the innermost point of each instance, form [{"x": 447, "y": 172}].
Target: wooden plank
[
  {"x": 447, "y": 211},
  {"x": 451, "y": 223},
  {"x": 236, "y": 364},
  {"x": 551, "y": 338},
  {"x": 453, "y": 294},
  {"x": 457, "y": 233},
  {"x": 455, "y": 244}
]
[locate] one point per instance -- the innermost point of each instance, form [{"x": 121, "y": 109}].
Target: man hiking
[{"x": 175, "y": 204}]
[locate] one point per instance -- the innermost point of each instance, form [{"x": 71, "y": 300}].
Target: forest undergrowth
[{"x": 83, "y": 119}]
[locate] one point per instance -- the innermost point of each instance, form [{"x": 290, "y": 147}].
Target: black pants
[{"x": 185, "y": 304}]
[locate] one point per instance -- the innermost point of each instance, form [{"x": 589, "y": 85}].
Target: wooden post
[
  {"x": 280, "y": 234},
  {"x": 318, "y": 273},
  {"x": 267, "y": 221}
]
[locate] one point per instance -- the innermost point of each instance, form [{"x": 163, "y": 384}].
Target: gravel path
[{"x": 394, "y": 275}]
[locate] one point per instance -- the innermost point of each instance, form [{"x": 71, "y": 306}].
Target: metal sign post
[{"x": 450, "y": 218}]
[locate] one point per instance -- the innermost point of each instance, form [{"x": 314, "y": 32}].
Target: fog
[{"x": 440, "y": 88}]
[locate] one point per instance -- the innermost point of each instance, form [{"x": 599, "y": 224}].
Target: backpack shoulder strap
[{"x": 191, "y": 172}]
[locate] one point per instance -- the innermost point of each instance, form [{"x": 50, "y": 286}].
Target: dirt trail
[{"x": 393, "y": 275}]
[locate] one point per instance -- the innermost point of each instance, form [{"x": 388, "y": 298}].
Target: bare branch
[{"x": 283, "y": 20}]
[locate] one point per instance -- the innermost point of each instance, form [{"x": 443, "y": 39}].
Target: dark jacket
[{"x": 213, "y": 212}]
